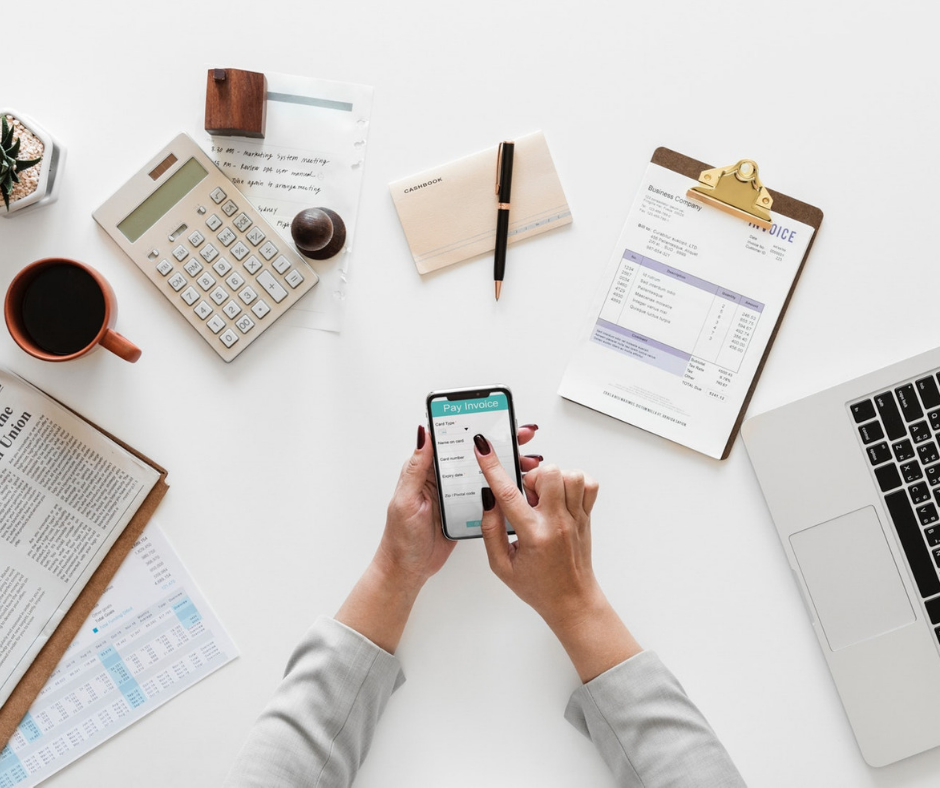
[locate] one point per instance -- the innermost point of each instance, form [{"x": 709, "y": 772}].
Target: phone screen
[{"x": 455, "y": 417}]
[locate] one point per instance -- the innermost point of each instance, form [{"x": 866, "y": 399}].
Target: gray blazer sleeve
[
  {"x": 317, "y": 729},
  {"x": 647, "y": 730}
]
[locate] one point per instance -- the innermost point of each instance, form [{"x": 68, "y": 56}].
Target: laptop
[{"x": 851, "y": 476}]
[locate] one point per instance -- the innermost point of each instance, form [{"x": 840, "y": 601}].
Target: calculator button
[
  {"x": 247, "y": 295},
  {"x": 205, "y": 281},
  {"x": 181, "y": 253},
  {"x": 260, "y": 309},
  {"x": 256, "y": 236},
  {"x": 164, "y": 267},
  {"x": 231, "y": 309},
  {"x": 209, "y": 253},
  {"x": 226, "y": 236},
  {"x": 217, "y": 195},
  {"x": 196, "y": 238},
  {"x": 219, "y": 295},
  {"x": 268, "y": 250},
  {"x": 242, "y": 222},
  {"x": 203, "y": 310},
  {"x": 235, "y": 281},
  {"x": 253, "y": 265},
  {"x": 193, "y": 267},
  {"x": 190, "y": 296},
  {"x": 213, "y": 222},
  {"x": 222, "y": 266},
  {"x": 294, "y": 278},
  {"x": 177, "y": 281},
  {"x": 216, "y": 324},
  {"x": 229, "y": 208},
  {"x": 245, "y": 324},
  {"x": 239, "y": 251},
  {"x": 281, "y": 264},
  {"x": 272, "y": 286},
  {"x": 229, "y": 338}
]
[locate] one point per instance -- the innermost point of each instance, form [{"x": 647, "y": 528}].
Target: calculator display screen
[{"x": 151, "y": 210}]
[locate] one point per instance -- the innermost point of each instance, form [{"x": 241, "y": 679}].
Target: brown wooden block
[{"x": 236, "y": 102}]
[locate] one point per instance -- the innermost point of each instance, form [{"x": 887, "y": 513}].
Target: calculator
[{"x": 205, "y": 247}]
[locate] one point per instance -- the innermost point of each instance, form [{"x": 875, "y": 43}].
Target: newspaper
[{"x": 66, "y": 493}]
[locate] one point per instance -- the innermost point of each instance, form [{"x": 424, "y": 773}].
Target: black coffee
[{"x": 63, "y": 309}]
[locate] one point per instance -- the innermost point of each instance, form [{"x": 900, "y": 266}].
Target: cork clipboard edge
[
  {"x": 36, "y": 676},
  {"x": 788, "y": 206}
]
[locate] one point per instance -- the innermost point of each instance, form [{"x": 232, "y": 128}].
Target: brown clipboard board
[
  {"x": 36, "y": 676},
  {"x": 788, "y": 206}
]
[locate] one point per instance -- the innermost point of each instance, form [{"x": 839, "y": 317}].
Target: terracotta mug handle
[{"x": 120, "y": 346}]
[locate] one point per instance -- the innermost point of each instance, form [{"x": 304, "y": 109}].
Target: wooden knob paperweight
[{"x": 318, "y": 233}]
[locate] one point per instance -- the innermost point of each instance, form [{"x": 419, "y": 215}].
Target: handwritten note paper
[{"x": 312, "y": 156}]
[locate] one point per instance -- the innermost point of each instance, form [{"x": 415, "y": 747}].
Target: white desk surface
[{"x": 281, "y": 463}]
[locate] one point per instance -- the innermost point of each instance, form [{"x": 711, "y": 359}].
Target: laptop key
[
  {"x": 933, "y": 610},
  {"x": 920, "y": 432},
  {"x": 878, "y": 453},
  {"x": 933, "y": 475},
  {"x": 933, "y": 536},
  {"x": 909, "y": 535},
  {"x": 871, "y": 432},
  {"x": 863, "y": 411},
  {"x": 903, "y": 450},
  {"x": 920, "y": 493},
  {"x": 888, "y": 477},
  {"x": 927, "y": 514},
  {"x": 890, "y": 416},
  {"x": 911, "y": 472},
  {"x": 928, "y": 453},
  {"x": 929, "y": 393},
  {"x": 910, "y": 407},
  {"x": 934, "y": 417}
]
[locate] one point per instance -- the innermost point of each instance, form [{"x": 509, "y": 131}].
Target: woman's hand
[
  {"x": 549, "y": 565},
  {"x": 412, "y": 548}
]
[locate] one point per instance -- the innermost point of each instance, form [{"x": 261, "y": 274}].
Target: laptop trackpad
[{"x": 852, "y": 578}]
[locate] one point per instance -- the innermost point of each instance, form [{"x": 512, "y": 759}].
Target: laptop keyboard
[{"x": 900, "y": 431}]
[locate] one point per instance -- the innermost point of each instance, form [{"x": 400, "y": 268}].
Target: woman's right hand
[{"x": 549, "y": 565}]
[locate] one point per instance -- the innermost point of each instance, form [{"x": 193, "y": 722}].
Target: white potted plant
[{"x": 31, "y": 162}]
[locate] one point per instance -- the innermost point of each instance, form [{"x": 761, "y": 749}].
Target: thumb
[
  {"x": 495, "y": 538},
  {"x": 415, "y": 471}
]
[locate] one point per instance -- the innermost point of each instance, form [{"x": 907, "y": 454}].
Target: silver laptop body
[{"x": 863, "y": 564}]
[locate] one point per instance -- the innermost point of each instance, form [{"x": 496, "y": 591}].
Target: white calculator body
[{"x": 205, "y": 247}]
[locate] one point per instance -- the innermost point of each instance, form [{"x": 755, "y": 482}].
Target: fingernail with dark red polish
[
  {"x": 538, "y": 457},
  {"x": 532, "y": 427},
  {"x": 482, "y": 446},
  {"x": 420, "y": 436},
  {"x": 488, "y": 500}
]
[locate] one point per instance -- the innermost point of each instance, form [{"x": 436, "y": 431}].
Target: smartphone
[{"x": 455, "y": 416}]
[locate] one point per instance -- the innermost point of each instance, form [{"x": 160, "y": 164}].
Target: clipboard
[
  {"x": 788, "y": 206},
  {"x": 36, "y": 676},
  {"x": 587, "y": 383}
]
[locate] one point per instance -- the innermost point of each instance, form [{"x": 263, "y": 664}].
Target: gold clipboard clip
[{"x": 736, "y": 190}]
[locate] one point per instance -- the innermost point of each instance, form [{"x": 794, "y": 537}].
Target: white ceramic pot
[{"x": 50, "y": 173}]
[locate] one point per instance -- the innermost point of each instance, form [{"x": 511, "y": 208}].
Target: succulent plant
[{"x": 9, "y": 164}]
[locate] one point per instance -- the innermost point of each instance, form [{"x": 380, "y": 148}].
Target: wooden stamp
[{"x": 236, "y": 102}]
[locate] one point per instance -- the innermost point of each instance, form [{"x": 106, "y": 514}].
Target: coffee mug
[{"x": 58, "y": 309}]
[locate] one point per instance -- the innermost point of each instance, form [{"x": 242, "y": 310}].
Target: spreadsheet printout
[
  {"x": 151, "y": 636},
  {"x": 686, "y": 308}
]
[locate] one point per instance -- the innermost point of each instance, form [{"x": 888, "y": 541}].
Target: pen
[{"x": 503, "y": 188}]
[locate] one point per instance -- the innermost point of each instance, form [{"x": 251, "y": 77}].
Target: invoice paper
[
  {"x": 686, "y": 308},
  {"x": 151, "y": 636}
]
